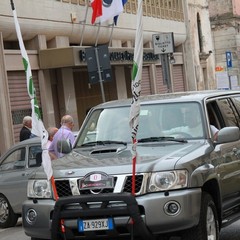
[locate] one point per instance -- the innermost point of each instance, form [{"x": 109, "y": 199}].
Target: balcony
[{"x": 55, "y": 18}]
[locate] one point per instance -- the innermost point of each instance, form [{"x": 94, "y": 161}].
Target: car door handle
[{"x": 25, "y": 174}]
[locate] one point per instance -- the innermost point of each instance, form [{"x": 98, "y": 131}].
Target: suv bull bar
[{"x": 65, "y": 208}]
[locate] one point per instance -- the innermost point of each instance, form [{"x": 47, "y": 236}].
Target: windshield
[{"x": 161, "y": 121}]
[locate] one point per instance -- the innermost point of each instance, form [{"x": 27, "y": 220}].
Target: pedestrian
[
  {"x": 51, "y": 132},
  {"x": 25, "y": 132},
  {"x": 64, "y": 133}
]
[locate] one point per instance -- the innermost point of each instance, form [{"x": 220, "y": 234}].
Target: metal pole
[
  {"x": 166, "y": 71},
  {"x": 99, "y": 25},
  {"x": 110, "y": 39},
  {"x": 84, "y": 23},
  {"x": 229, "y": 79},
  {"x": 100, "y": 75}
]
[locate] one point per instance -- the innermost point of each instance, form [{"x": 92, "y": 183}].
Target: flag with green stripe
[
  {"x": 38, "y": 128},
  {"x": 137, "y": 74}
]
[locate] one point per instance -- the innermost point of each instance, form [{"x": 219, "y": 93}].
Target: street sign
[
  {"x": 229, "y": 59},
  {"x": 163, "y": 43},
  {"x": 104, "y": 67}
]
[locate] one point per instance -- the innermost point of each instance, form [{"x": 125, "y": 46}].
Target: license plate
[{"x": 95, "y": 224}]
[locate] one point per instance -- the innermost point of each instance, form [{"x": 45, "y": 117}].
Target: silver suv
[{"x": 187, "y": 173}]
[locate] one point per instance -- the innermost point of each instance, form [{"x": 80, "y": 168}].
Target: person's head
[
  {"x": 51, "y": 132},
  {"x": 67, "y": 121},
  {"x": 27, "y": 121}
]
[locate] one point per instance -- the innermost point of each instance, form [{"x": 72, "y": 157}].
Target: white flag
[
  {"x": 38, "y": 128},
  {"x": 111, "y": 9},
  {"x": 137, "y": 75}
]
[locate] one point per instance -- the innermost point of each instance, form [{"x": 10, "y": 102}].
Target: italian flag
[
  {"x": 136, "y": 87},
  {"x": 38, "y": 128}
]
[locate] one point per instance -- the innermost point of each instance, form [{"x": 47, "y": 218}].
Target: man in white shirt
[{"x": 192, "y": 126}]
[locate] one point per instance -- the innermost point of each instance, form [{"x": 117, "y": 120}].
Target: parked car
[
  {"x": 15, "y": 166},
  {"x": 186, "y": 182}
]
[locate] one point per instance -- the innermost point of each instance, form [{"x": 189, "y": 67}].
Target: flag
[
  {"x": 136, "y": 89},
  {"x": 111, "y": 9},
  {"x": 38, "y": 128},
  {"x": 137, "y": 73},
  {"x": 116, "y": 17},
  {"x": 97, "y": 9}
]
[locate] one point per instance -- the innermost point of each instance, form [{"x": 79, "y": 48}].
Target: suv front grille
[
  {"x": 64, "y": 188},
  {"x": 138, "y": 184}
]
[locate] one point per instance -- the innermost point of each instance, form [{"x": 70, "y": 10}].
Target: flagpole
[
  {"x": 136, "y": 90},
  {"x": 84, "y": 23},
  {"x": 110, "y": 38},
  {"x": 97, "y": 37}
]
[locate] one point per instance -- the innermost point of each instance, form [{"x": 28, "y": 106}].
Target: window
[
  {"x": 229, "y": 112},
  {"x": 236, "y": 101},
  {"x": 199, "y": 28},
  {"x": 15, "y": 160},
  {"x": 35, "y": 156}
]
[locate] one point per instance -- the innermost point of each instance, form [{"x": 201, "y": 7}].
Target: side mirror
[
  {"x": 64, "y": 146},
  {"x": 228, "y": 134}
]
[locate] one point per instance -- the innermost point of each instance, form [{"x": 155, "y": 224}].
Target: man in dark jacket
[{"x": 25, "y": 132}]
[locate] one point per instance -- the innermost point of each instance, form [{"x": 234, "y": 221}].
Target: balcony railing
[{"x": 164, "y": 9}]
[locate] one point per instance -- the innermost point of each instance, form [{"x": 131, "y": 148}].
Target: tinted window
[
  {"x": 229, "y": 112},
  {"x": 236, "y": 101},
  {"x": 155, "y": 120},
  {"x": 34, "y": 156}
]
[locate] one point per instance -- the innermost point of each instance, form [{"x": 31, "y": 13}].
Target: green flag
[{"x": 38, "y": 128}]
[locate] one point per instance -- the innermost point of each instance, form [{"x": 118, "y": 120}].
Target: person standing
[
  {"x": 25, "y": 132},
  {"x": 51, "y": 132},
  {"x": 64, "y": 133}
]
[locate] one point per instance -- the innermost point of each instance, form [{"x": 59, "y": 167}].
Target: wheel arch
[{"x": 212, "y": 187}]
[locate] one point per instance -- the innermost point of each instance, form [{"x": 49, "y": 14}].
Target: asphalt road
[{"x": 231, "y": 232}]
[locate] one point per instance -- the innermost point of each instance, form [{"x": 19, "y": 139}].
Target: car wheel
[
  {"x": 207, "y": 228},
  {"x": 7, "y": 217}
]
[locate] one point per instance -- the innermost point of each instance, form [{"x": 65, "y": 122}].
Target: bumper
[{"x": 148, "y": 211}]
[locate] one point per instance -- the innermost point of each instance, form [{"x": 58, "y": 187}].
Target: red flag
[{"x": 97, "y": 9}]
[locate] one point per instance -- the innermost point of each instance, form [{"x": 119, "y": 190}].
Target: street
[{"x": 231, "y": 232}]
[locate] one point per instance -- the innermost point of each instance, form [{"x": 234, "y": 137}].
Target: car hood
[{"x": 117, "y": 159}]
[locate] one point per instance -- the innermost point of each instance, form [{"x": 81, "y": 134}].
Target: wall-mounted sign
[
  {"x": 163, "y": 43},
  {"x": 123, "y": 56},
  {"x": 219, "y": 68},
  {"x": 222, "y": 81}
]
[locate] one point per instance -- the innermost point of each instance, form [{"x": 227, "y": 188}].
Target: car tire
[
  {"x": 207, "y": 227},
  {"x": 7, "y": 217}
]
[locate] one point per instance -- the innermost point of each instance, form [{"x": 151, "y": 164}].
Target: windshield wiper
[
  {"x": 159, "y": 139},
  {"x": 105, "y": 142}
]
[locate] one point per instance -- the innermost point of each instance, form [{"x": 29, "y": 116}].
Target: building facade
[
  {"x": 198, "y": 47},
  {"x": 56, "y": 34},
  {"x": 225, "y": 25}
]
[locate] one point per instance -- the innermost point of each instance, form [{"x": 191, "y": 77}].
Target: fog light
[
  {"x": 31, "y": 216},
  {"x": 172, "y": 208}
]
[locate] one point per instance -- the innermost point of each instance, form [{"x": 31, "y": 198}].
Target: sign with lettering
[{"x": 163, "y": 43}]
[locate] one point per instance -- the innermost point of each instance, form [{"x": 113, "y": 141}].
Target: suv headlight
[
  {"x": 39, "y": 189},
  {"x": 169, "y": 180}
]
